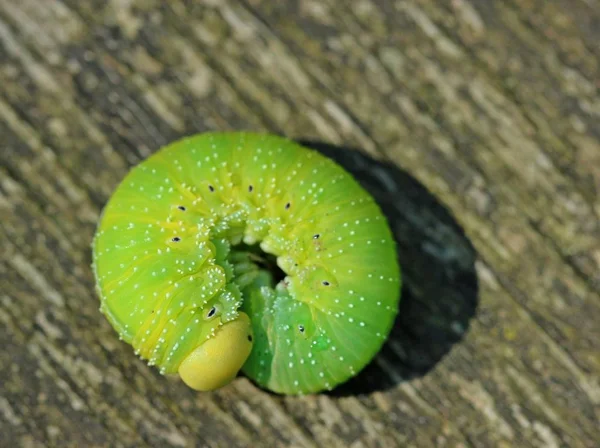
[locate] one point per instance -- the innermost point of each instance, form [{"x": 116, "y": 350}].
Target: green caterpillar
[{"x": 184, "y": 262}]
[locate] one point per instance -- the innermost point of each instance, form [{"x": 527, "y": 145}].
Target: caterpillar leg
[{"x": 218, "y": 360}]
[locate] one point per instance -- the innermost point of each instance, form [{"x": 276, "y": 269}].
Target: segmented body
[{"x": 175, "y": 258}]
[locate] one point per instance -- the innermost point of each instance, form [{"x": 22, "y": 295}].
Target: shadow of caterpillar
[
  {"x": 229, "y": 251},
  {"x": 440, "y": 287}
]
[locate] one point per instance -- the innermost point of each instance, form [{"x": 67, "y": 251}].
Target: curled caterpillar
[{"x": 237, "y": 251}]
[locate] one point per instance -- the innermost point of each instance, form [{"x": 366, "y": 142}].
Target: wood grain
[{"x": 476, "y": 126}]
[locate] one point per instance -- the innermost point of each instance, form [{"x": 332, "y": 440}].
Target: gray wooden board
[{"x": 474, "y": 123}]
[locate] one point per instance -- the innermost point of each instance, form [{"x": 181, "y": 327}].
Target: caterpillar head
[{"x": 217, "y": 361}]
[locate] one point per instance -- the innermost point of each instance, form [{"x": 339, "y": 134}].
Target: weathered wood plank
[{"x": 490, "y": 108}]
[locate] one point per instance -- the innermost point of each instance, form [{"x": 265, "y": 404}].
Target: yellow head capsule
[{"x": 217, "y": 361}]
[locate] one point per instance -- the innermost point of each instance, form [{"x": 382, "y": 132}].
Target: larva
[{"x": 237, "y": 251}]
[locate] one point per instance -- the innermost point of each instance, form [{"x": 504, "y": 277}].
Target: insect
[{"x": 237, "y": 251}]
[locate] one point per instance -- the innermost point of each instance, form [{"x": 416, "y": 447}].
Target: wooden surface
[{"x": 475, "y": 124}]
